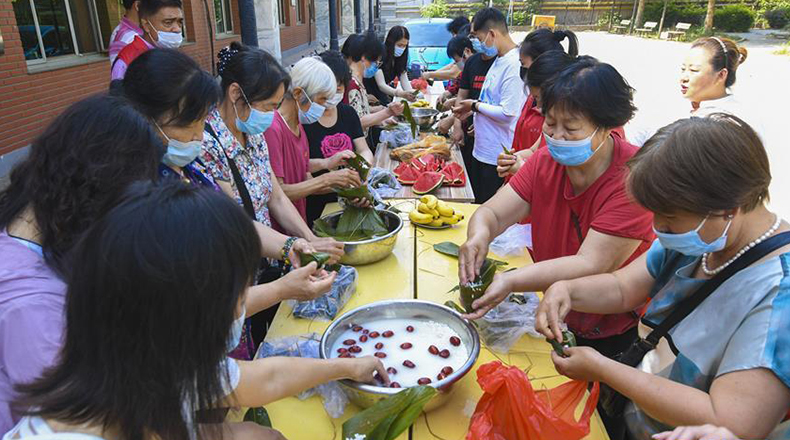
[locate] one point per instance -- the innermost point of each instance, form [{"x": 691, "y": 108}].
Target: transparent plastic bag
[
  {"x": 326, "y": 307},
  {"x": 397, "y": 136},
  {"x": 306, "y": 346},
  {"x": 383, "y": 183},
  {"x": 513, "y": 242},
  {"x": 503, "y": 325}
]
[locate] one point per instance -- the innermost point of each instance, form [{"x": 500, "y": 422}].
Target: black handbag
[{"x": 612, "y": 402}]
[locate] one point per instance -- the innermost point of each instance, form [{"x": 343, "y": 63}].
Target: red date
[
  {"x": 356, "y": 328},
  {"x": 349, "y": 342},
  {"x": 355, "y": 349},
  {"x": 342, "y": 350},
  {"x": 379, "y": 345},
  {"x": 406, "y": 345},
  {"x": 408, "y": 364},
  {"x": 345, "y": 355},
  {"x": 365, "y": 331},
  {"x": 363, "y": 338},
  {"x": 444, "y": 353},
  {"x": 374, "y": 335},
  {"x": 440, "y": 376},
  {"x": 410, "y": 329},
  {"x": 423, "y": 381},
  {"x": 392, "y": 370},
  {"x": 447, "y": 370},
  {"x": 394, "y": 385},
  {"x": 455, "y": 341},
  {"x": 433, "y": 350},
  {"x": 380, "y": 355},
  {"x": 388, "y": 334}
]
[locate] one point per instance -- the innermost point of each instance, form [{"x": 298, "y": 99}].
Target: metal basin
[
  {"x": 365, "y": 395},
  {"x": 424, "y": 116},
  {"x": 369, "y": 251}
]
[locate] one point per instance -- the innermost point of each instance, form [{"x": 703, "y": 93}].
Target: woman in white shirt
[{"x": 707, "y": 74}]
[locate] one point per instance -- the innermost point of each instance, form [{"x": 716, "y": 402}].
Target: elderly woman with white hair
[{"x": 311, "y": 93}]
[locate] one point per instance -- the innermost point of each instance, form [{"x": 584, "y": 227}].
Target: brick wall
[
  {"x": 29, "y": 101},
  {"x": 294, "y": 34}
]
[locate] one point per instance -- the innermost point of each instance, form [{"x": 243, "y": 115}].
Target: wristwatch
[{"x": 474, "y": 106}]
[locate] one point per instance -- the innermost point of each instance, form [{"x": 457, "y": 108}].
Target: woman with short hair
[{"x": 706, "y": 182}]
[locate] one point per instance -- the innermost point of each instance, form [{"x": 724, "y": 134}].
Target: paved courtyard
[{"x": 652, "y": 67}]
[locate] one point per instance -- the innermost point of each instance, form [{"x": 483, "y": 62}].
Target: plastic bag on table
[
  {"x": 389, "y": 417},
  {"x": 503, "y": 325},
  {"x": 325, "y": 307},
  {"x": 306, "y": 346},
  {"x": 383, "y": 182},
  {"x": 511, "y": 409},
  {"x": 397, "y": 136},
  {"x": 513, "y": 242}
]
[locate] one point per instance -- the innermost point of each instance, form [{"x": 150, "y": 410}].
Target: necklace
[{"x": 762, "y": 238}]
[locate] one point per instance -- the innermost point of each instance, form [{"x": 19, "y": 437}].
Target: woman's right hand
[
  {"x": 307, "y": 283},
  {"x": 345, "y": 178},
  {"x": 363, "y": 370},
  {"x": 504, "y": 163},
  {"x": 552, "y": 310},
  {"x": 339, "y": 159},
  {"x": 409, "y": 96},
  {"x": 470, "y": 258}
]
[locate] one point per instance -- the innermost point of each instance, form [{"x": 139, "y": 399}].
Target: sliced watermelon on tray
[
  {"x": 427, "y": 182},
  {"x": 408, "y": 176},
  {"x": 400, "y": 168}
]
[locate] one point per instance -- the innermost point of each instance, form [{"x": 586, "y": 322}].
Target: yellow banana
[
  {"x": 459, "y": 216},
  {"x": 451, "y": 220},
  {"x": 430, "y": 200},
  {"x": 425, "y": 209},
  {"x": 435, "y": 214},
  {"x": 436, "y": 223},
  {"x": 444, "y": 209},
  {"x": 420, "y": 218}
]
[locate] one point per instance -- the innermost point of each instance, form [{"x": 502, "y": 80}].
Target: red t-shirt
[
  {"x": 290, "y": 158},
  {"x": 529, "y": 126},
  {"x": 562, "y": 219}
]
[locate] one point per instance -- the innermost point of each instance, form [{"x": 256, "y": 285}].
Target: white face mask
[
  {"x": 334, "y": 101},
  {"x": 167, "y": 40},
  {"x": 399, "y": 51}
]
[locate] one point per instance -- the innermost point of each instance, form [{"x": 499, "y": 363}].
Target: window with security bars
[{"x": 222, "y": 16}]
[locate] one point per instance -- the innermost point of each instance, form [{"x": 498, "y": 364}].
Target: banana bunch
[
  {"x": 434, "y": 212},
  {"x": 421, "y": 104}
]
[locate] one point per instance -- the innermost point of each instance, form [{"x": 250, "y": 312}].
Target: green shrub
[
  {"x": 606, "y": 18},
  {"x": 676, "y": 13},
  {"x": 778, "y": 18},
  {"x": 437, "y": 9},
  {"x": 521, "y": 18},
  {"x": 734, "y": 18}
]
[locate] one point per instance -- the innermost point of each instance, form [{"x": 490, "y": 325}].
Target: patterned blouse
[
  {"x": 252, "y": 161},
  {"x": 358, "y": 98}
]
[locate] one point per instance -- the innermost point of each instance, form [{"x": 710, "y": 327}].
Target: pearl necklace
[{"x": 768, "y": 233}]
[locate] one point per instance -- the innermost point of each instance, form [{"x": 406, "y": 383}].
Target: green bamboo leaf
[
  {"x": 389, "y": 417},
  {"x": 319, "y": 257},
  {"x": 361, "y": 166},
  {"x": 410, "y": 118}
]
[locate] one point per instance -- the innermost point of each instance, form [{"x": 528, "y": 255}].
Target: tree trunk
[
  {"x": 709, "y": 16},
  {"x": 640, "y": 12}
]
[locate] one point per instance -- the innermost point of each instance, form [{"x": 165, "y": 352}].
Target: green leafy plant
[
  {"x": 783, "y": 50},
  {"x": 388, "y": 418},
  {"x": 437, "y": 9},
  {"x": 778, "y": 18},
  {"x": 608, "y": 17},
  {"x": 355, "y": 224},
  {"x": 676, "y": 13},
  {"x": 734, "y": 18}
]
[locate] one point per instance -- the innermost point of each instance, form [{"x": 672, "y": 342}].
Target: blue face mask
[
  {"x": 571, "y": 153},
  {"x": 477, "y": 46},
  {"x": 235, "y": 330},
  {"x": 370, "y": 72},
  {"x": 257, "y": 122},
  {"x": 489, "y": 51},
  {"x": 690, "y": 243},
  {"x": 180, "y": 154},
  {"x": 313, "y": 114},
  {"x": 399, "y": 51}
]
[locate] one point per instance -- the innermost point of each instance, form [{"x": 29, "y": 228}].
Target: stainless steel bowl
[
  {"x": 424, "y": 116},
  {"x": 365, "y": 395},
  {"x": 374, "y": 249}
]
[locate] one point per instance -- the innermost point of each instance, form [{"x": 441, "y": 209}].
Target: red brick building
[{"x": 56, "y": 55}]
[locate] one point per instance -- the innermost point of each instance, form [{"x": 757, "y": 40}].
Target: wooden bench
[
  {"x": 648, "y": 28},
  {"x": 623, "y": 26},
  {"x": 680, "y": 30}
]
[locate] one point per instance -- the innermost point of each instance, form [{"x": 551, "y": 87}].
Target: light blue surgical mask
[
  {"x": 690, "y": 243},
  {"x": 489, "y": 51},
  {"x": 399, "y": 51},
  {"x": 572, "y": 153},
  {"x": 257, "y": 122},
  {"x": 235, "y": 330},
  {"x": 370, "y": 72},
  {"x": 335, "y": 100},
  {"x": 477, "y": 46},
  {"x": 179, "y": 154},
  {"x": 313, "y": 114}
]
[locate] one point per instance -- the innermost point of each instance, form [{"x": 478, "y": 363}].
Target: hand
[
  {"x": 504, "y": 163},
  {"x": 426, "y": 75},
  {"x": 360, "y": 203},
  {"x": 363, "y": 369},
  {"x": 704, "y": 432},
  {"x": 300, "y": 246},
  {"x": 495, "y": 294},
  {"x": 463, "y": 107},
  {"x": 470, "y": 258},
  {"x": 395, "y": 108},
  {"x": 445, "y": 124},
  {"x": 552, "y": 310},
  {"x": 471, "y": 131},
  {"x": 345, "y": 178},
  {"x": 409, "y": 96},
  {"x": 307, "y": 283},
  {"x": 582, "y": 363},
  {"x": 339, "y": 159},
  {"x": 390, "y": 121},
  {"x": 457, "y": 136},
  {"x": 329, "y": 245},
  {"x": 449, "y": 104}
]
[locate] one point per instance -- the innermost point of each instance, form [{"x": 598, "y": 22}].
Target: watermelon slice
[
  {"x": 417, "y": 164},
  {"x": 430, "y": 162},
  {"x": 408, "y": 176},
  {"x": 427, "y": 182},
  {"x": 400, "y": 168},
  {"x": 454, "y": 174}
]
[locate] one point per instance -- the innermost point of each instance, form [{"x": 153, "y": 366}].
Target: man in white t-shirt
[{"x": 500, "y": 103}]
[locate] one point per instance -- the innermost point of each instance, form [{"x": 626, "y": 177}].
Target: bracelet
[
  {"x": 289, "y": 243},
  {"x": 474, "y": 106}
]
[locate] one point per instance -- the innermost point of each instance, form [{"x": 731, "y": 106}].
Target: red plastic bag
[{"x": 511, "y": 409}]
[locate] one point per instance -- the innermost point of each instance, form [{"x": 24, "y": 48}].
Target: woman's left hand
[
  {"x": 582, "y": 363},
  {"x": 360, "y": 203},
  {"x": 497, "y": 291},
  {"x": 329, "y": 245},
  {"x": 395, "y": 108},
  {"x": 704, "y": 432},
  {"x": 300, "y": 246}
]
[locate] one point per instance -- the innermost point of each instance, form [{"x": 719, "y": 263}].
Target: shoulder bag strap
[
  {"x": 246, "y": 200},
  {"x": 689, "y": 304}
]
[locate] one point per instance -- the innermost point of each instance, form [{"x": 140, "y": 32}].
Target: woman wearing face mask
[
  {"x": 313, "y": 90},
  {"x": 148, "y": 329},
  {"x": 706, "y": 181},
  {"x": 362, "y": 52},
  {"x": 337, "y": 130},
  {"x": 170, "y": 89},
  {"x": 393, "y": 65},
  {"x": 162, "y": 22}
]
